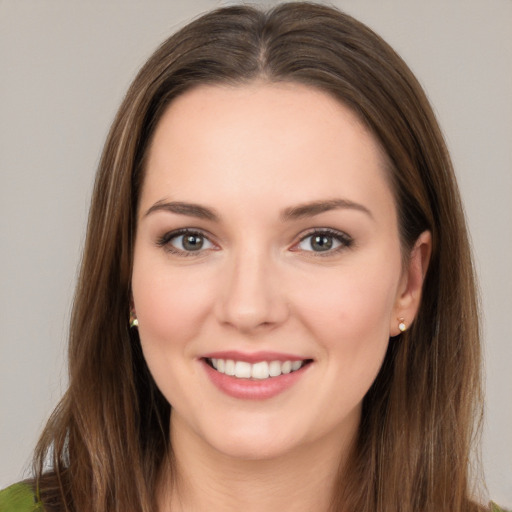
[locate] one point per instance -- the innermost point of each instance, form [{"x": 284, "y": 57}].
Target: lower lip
[{"x": 249, "y": 389}]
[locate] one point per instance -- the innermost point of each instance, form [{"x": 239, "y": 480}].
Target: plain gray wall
[{"x": 64, "y": 67}]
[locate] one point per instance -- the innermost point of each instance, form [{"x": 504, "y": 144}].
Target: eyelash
[
  {"x": 344, "y": 240},
  {"x": 165, "y": 241}
]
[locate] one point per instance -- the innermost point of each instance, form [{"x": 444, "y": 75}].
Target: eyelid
[
  {"x": 164, "y": 241},
  {"x": 346, "y": 241}
]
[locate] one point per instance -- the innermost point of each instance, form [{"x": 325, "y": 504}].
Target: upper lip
[{"x": 253, "y": 357}]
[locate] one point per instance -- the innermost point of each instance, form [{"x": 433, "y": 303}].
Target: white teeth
[
  {"x": 260, "y": 371},
  {"x": 242, "y": 370},
  {"x": 229, "y": 367},
  {"x": 286, "y": 367},
  {"x": 295, "y": 365},
  {"x": 274, "y": 368}
]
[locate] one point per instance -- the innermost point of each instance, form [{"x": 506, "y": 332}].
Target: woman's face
[{"x": 267, "y": 246}]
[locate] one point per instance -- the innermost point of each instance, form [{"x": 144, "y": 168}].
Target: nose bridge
[{"x": 251, "y": 297}]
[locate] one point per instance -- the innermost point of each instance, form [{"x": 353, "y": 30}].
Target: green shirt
[{"x": 20, "y": 498}]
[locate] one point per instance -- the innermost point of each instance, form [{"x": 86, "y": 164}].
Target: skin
[{"x": 250, "y": 153}]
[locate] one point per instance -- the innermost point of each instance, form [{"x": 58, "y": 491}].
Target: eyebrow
[
  {"x": 181, "y": 208},
  {"x": 292, "y": 213},
  {"x": 316, "y": 207}
]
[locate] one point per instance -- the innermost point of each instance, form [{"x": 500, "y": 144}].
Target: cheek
[
  {"x": 170, "y": 306},
  {"x": 349, "y": 319},
  {"x": 171, "y": 311},
  {"x": 352, "y": 306}
]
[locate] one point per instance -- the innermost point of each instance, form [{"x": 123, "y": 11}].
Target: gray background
[{"x": 64, "y": 67}]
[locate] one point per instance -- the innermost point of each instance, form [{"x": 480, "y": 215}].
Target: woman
[{"x": 276, "y": 212}]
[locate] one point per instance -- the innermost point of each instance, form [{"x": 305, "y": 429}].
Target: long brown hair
[{"x": 109, "y": 436}]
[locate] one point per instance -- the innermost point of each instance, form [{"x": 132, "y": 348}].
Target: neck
[{"x": 206, "y": 479}]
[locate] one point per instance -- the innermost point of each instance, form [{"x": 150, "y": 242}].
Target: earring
[
  {"x": 133, "y": 320},
  {"x": 401, "y": 325}
]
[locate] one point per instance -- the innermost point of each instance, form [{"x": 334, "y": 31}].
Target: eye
[
  {"x": 185, "y": 242},
  {"x": 324, "y": 241}
]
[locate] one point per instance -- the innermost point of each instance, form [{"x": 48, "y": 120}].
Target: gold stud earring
[
  {"x": 133, "y": 320},
  {"x": 401, "y": 325}
]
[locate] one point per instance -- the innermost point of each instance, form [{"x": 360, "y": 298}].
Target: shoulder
[
  {"x": 19, "y": 498},
  {"x": 495, "y": 508}
]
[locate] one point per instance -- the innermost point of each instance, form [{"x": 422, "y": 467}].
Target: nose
[{"x": 252, "y": 298}]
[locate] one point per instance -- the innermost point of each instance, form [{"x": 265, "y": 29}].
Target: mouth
[{"x": 259, "y": 371}]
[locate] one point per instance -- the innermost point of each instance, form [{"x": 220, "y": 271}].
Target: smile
[
  {"x": 255, "y": 376},
  {"x": 259, "y": 371}
]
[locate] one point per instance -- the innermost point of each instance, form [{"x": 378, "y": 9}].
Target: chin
[
  {"x": 256, "y": 451},
  {"x": 253, "y": 443}
]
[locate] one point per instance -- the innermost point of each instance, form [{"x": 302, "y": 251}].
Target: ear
[{"x": 408, "y": 297}]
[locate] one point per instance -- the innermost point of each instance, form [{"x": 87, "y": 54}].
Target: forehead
[{"x": 286, "y": 140}]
